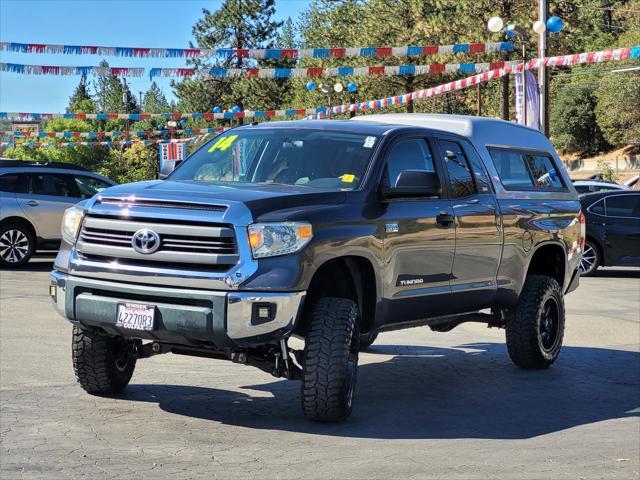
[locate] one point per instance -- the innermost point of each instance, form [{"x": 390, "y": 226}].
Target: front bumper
[{"x": 190, "y": 317}]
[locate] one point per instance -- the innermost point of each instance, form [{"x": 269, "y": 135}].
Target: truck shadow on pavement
[{"x": 471, "y": 391}]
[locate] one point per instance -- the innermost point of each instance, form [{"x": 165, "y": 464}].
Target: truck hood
[{"x": 259, "y": 198}]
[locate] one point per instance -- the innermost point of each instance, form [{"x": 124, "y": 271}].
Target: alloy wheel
[
  {"x": 14, "y": 246},
  {"x": 589, "y": 259},
  {"x": 549, "y": 323}
]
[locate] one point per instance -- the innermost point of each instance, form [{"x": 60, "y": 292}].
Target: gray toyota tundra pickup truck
[{"x": 330, "y": 231}]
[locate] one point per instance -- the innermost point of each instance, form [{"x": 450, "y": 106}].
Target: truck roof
[
  {"x": 337, "y": 125},
  {"x": 481, "y": 130}
]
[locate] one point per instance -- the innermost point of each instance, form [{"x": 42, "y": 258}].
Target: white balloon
[
  {"x": 495, "y": 24},
  {"x": 539, "y": 26},
  {"x": 338, "y": 87}
]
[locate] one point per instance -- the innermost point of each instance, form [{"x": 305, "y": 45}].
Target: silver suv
[{"x": 33, "y": 199}]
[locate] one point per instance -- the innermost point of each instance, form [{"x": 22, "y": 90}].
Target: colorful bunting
[
  {"x": 435, "y": 68},
  {"x": 562, "y": 60},
  {"x": 93, "y": 144},
  {"x": 557, "y": 61},
  {"x": 114, "y": 133},
  {"x": 272, "y": 53}
]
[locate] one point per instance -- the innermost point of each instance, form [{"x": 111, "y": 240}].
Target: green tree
[
  {"x": 110, "y": 94},
  {"x": 236, "y": 24},
  {"x": 619, "y": 120},
  {"x": 136, "y": 163},
  {"x": 154, "y": 101},
  {"x": 572, "y": 120},
  {"x": 81, "y": 100}
]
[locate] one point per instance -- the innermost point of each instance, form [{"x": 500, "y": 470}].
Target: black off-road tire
[
  {"x": 17, "y": 245},
  {"x": 535, "y": 328},
  {"x": 330, "y": 360},
  {"x": 367, "y": 339},
  {"x": 102, "y": 364}
]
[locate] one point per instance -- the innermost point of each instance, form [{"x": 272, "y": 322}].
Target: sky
[{"x": 109, "y": 23}]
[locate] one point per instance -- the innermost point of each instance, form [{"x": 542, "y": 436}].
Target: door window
[
  {"x": 89, "y": 186},
  {"x": 409, "y": 154},
  {"x": 627, "y": 206},
  {"x": 8, "y": 182},
  {"x": 460, "y": 176},
  {"x": 52, "y": 184}
]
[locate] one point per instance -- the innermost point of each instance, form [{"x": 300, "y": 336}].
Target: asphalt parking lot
[{"x": 429, "y": 405}]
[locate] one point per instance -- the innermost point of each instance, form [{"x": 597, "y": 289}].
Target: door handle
[
  {"x": 445, "y": 219},
  {"x": 32, "y": 203}
]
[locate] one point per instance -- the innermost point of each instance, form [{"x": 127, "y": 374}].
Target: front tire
[
  {"x": 102, "y": 364},
  {"x": 535, "y": 328},
  {"x": 17, "y": 245},
  {"x": 590, "y": 259},
  {"x": 330, "y": 360}
]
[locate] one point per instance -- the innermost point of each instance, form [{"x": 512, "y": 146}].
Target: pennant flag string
[
  {"x": 435, "y": 68},
  {"x": 269, "y": 53},
  {"x": 557, "y": 61},
  {"x": 93, "y": 144},
  {"x": 114, "y": 133}
]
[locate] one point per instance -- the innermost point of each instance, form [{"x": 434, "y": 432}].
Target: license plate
[{"x": 135, "y": 316}]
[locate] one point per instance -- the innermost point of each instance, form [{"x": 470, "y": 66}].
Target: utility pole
[
  {"x": 140, "y": 104},
  {"x": 543, "y": 76},
  {"x": 125, "y": 99}
]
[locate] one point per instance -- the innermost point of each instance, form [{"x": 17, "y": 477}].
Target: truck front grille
[{"x": 209, "y": 245}]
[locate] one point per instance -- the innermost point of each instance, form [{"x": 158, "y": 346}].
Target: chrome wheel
[
  {"x": 589, "y": 261},
  {"x": 14, "y": 246}
]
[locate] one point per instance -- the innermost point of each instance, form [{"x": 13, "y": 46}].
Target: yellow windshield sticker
[
  {"x": 348, "y": 178},
  {"x": 223, "y": 143}
]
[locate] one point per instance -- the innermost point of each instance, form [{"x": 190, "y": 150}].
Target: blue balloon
[
  {"x": 217, "y": 109},
  {"x": 555, "y": 24},
  {"x": 352, "y": 87},
  {"x": 311, "y": 86},
  {"x": 510, "y": 31},
  {"x": 235, "y": 109}
]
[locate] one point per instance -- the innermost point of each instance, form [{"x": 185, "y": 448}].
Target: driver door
[{"x": 419, "y": 239}]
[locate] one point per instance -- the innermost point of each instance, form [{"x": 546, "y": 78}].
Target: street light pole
[
  {"x": 542, "y": 73},
  {"x": 524, "y": 81}
]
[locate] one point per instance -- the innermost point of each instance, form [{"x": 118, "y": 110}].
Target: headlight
[
  {"x": 272, "y": 239},
  {"x": 71, "y": 223}
]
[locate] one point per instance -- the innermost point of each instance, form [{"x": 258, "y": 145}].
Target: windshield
[{"x": 313, "y": 158}]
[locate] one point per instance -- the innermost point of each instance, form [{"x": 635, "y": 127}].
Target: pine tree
[
  {"x": 154, "y": 101},
  {"x": 81, "y": 100},
  {"x": 110, "y": 93},
  {"x": 236, "y": 24}
]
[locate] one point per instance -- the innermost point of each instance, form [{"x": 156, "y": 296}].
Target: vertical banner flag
[{"x": 533, "y": 100}]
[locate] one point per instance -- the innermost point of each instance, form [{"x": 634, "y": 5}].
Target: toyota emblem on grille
[{"x": 145, "y": 241}]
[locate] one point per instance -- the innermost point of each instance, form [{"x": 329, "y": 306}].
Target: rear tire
[
  {"x": 535, "y": 328},
  {"x": 102, "y": 364},
  {"x": 17, "y": 245},
  {"x": 330, "y": 360},
  {"x": 591, "y": 259}
]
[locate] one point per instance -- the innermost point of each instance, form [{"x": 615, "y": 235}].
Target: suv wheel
[
  {"x": 16, "y": 245},
  {"x": 535, "y": 328},
  {"x": 102, "y": 364},
  {"x": 367, "y": 339},
  {"x": 590, "y": 259},
  {"x": 330, "y": 360}
]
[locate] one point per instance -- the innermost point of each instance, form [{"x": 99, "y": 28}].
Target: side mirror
[
  {"x": 414, "y": 183},
  {"x": 168, "y": 166}
]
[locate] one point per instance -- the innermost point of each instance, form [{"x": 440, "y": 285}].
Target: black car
[{"x": 613, "y": 230}]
